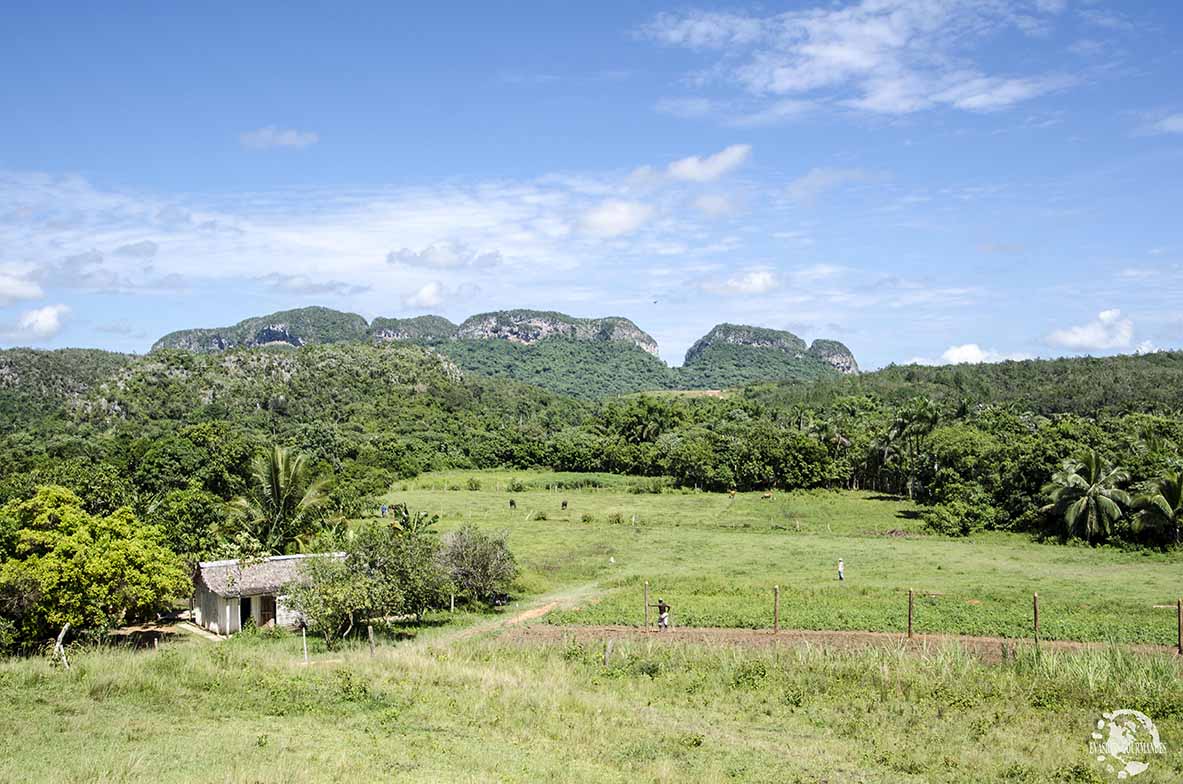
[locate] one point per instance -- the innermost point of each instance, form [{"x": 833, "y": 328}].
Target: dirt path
[
  {"x": 988, "y": 648},
  {"x": 570, "y": 597}
]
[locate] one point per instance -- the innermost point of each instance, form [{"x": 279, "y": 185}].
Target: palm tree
[
  {"x": 1086, "y": 493},
  {"x": 1161, "y": 509},
  {"x": 282, "y": 501},
  {"x": 911, "y": 426}
]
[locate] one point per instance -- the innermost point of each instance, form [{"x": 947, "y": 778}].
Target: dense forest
[{"x": 141, "y": 456}]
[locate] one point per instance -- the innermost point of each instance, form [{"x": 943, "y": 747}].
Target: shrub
[
  {"x": 959, "y": 518},
  {"x": 474, "y": 483},
  {"x": 616, "y": 518},
  {"x": 480, "y": 564},
  {"x": 515, "y": 485},
  {"x": 539, "y": 516},
  {"x": 587, "y": 518}
]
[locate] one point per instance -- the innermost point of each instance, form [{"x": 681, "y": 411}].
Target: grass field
[
  {"x": 716, "y": 560},
  {"x": 461, "y": 701}
]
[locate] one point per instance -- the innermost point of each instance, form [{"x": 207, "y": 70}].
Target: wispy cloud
[
  {"x": 614, "y": 218},
  {"x": 752, "y": 281},
  {"x": 878, "y": 56},
  {"x": 445, "y": 255},
  {"x": 817, "y": 181},
  {"x": 14, "y": 288},
  {"x": 710, "y": 167},
  {"x": 271, "y": 137}
]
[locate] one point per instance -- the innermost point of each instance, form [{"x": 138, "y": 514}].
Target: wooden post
[
  {"x": 910, "y": 601},
  {"x": 304, "y": 634},
  {"x": 607, "y": 652},
  {"x": 370, "y": 633},
  {"x": 1035, "y": 612},
  {"x": 1179, "y": 610},
  {"x": 646, "y": 604},
  {"x": 775, "y": 609},
  {"x": 451, "y": 602}
]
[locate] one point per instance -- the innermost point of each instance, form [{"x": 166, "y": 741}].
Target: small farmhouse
[{"x": 230, "y": 594}]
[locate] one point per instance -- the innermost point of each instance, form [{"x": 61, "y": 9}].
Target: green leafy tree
[
  {"x": 1086, "y": 494},
  {"x": 282, "y": 500},
  {"x": 192, "y": 520},
  {"x": 480, "y": 564},
  {"x": 64, "y": 565},
  {"x": 1160, "y": 511}
]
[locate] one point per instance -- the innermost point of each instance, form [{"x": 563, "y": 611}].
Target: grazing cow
[
  {"x": 564, "y": 506},
  {"x": 767, "y": 495},
  {"x": 513, "y": 504},
  {"x": 731, "y": 492}
]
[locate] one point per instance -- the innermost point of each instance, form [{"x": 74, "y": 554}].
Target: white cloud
[
  {"x": 753, "y": 281},
  {"x": 445, "y": 255},
  {"x": 712, "y": 167},
  {"x": 1146, "y": 347},
  {"x": 271, "y": 137},
  {"x": 705, "y": 30},
  {"x": 145, "y": 249},
  {"x": 686, "y": 108},
  {"x": 40, "y": 323},
  {"x": 880, "y": 56},
  {"x": 969, "y": 354},
  {"x": 714, "y": 205},
  {"x": 14, "y": 288},
  {"x": 1108, "y": 331},
  {"x": 1170, "y": 124},
  {"x": 806, "y": 188},
  {"x": 773, "y": 114},
  {"x": 429, "y": 295},
  {"x": 614, "y": 217}
]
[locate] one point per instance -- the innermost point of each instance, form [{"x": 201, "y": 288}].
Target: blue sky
[{"x": 932, "y": 180}]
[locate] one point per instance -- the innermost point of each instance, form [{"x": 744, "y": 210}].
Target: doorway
[
  {"x": 244, "y": 612},
  {"x": 266, "y": 611}
]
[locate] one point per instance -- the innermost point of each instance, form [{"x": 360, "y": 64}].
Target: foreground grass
[
  {"x": 488, "y": 710},
  {"x": 716, "y": 559}
]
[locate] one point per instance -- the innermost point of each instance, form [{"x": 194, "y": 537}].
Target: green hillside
[
  {"x": 303, "y": 326},
  {"x": 1079, "y": 385}
]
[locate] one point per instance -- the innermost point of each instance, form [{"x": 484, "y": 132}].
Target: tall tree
[
  {"x": 1161, "y": 509},
  {"x": 282, "y": 500},
  {"x": 1086, "y": 493}
]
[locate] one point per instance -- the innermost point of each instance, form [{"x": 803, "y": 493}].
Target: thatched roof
[{"x": 250, "y": 578}]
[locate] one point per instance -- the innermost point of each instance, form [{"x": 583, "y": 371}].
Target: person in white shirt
[{"x": 841, "y": 571}]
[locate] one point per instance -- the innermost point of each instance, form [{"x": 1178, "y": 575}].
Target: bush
[
  {"x": 515, "y": 485},
  {"x": 959, "y": 518},
  {"x": 616, "y": 518},
  {"x": 587, "y": 518},
  {"x": 474, "y": 483},
  {"x": 540, "y": 516},
  {"x": 480, "y": 564}
]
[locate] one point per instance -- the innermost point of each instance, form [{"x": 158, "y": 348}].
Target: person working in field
[
  {"x": 663, "y": 615},
  {"x": 841, "y": 570}
]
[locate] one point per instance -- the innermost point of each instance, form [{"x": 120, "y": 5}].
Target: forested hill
[
  {"x": 1080, "y": 385},
  {"x": 587, "y": 358}
]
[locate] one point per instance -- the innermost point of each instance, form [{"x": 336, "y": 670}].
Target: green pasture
[{"x": 717, "y": 558}]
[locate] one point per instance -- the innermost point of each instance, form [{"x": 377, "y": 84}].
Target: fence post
[
  {"x": 646, "y": 604},
  {"x": 607, "y": 652},
  {"x": 1179, "y": 611},
  {"x": 775, "y": 609},
  {"x": 451, "y": 602},
  {"x": 304, "y": 634},
  {"x": 1035, "y": 609},
  {"x": 370, "y": 633},
  {"x": 909, "y": 613}
]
